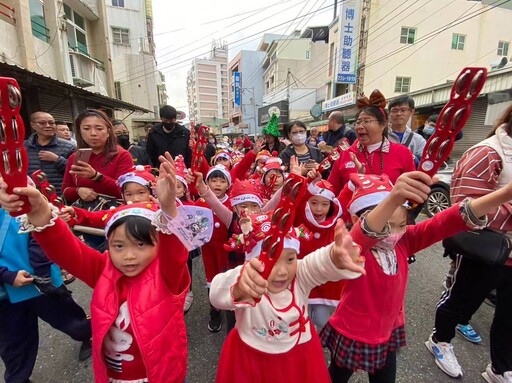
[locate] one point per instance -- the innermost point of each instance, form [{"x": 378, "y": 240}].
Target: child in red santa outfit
[
  {"x": 215, "y": 257},
  {"x": 138, "y": 286},
  {"x": 136, "y": 187},
  {"x": 316, "y": 220},
  {"x": 274, "y": 340},
  {"x": 368, "y": 325},
  {"x": 241, "y": 170}
]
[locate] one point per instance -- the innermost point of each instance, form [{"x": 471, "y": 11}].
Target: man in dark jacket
[
  {"x": 337, "y": 131},
  {"x": 168, "y": 136},
  {"x": 46, "y": 151}
]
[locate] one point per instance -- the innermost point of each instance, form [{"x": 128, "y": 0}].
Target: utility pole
[{"x": 363, "y": 44}]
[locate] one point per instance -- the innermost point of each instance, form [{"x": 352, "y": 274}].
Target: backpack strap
[{"x": 409, "y": 139}]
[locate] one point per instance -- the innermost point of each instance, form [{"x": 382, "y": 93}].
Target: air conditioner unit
[{"x": 82, "y": 70}]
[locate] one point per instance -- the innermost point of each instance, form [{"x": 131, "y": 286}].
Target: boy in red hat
[{"x": 367, "y": 328}]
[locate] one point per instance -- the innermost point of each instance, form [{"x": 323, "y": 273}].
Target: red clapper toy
[
  {"x": 327, "y": 162},
  {"x": 13, "y": 158},
  {"x": 452, "y": 118},
  {"x": 199, "y": 149},
  {"x": 294, "y": 188}
]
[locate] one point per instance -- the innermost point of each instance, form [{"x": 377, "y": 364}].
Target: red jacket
[
  {"x": 396, "y": 159},
  {"x": 119, "y": 164},
  {"x": 155, "y": 299},
  {"x": 371, "y": 306}
]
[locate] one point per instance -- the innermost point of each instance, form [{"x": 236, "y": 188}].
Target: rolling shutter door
[
  {"x": 475, "y": 130},
  {"x": 58, "y": 106}
]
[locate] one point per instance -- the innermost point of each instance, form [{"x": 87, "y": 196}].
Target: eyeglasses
[
  {"x": 44, "y": 123},
  {"x": 298, "y": 132},
  {"x": 364, "y": 122},
  {"x": 401, "y": 110}
]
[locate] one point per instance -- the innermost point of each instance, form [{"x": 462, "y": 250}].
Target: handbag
[
  {"x": 102, "y": 202},
  {"x": 486, "y": 246}
]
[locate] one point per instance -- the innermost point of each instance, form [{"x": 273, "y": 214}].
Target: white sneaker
[
  {"x": 188, "y": 301},
  {"x": 445, "y": 357},
  {"x": 492, "y": 377}
]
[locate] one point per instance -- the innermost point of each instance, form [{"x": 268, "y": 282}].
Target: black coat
[
  {"x": 290, "y": 151},
  {"x": 176, "y": 142}
]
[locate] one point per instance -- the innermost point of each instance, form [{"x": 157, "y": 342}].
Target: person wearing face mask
[
  {"x": 211, "y": 148},
  {"x": 168, "y": 136},
  {"x": 306, "y": 154},
  {"x": 139, "y": 155}
]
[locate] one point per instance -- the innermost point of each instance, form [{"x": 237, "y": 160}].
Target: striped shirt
[{"x": 475, "y": 175}]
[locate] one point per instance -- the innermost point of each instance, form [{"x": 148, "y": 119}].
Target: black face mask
[
  {"x": 124, "y": 140},
  {"x": 168, "y": 125}
]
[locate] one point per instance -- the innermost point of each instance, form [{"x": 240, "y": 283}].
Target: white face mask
[
  {"x": 211, "y": 141},
  {"x": 299, "y": 139},
  {"x": 390, "y": 242}
]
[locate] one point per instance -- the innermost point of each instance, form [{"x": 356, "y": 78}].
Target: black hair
[
  {"x": 137, "y": 228},
  {"x": 168, "y": 112},
  {"x": 401, "y": 101},
  {"x": 287, "y": 128},
  {"x": 363, "y": 210},
  {"x": 217, "y": 174},
  {"x": 433, "y": 118},
  {"x": 59, "y": 122},
  {"x": 118, "y": 122}
]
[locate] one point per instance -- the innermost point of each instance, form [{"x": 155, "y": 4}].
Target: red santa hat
[
  {"x": 247, "y": 143},
  {"x": 181, "y": 170},
  {"x": 145, "y": 210},
  {"x": 324, "y": 189},
  {"x": 369, "y": 190},
  {"x": 223, "y": 154},
  {"x": 221, "y": 168},
  {"x": 263, "y": 155},
  {"x": 140, "y": 174},
  {"x": 238, "y": 142},
  {"x": 245, "y": 191}
]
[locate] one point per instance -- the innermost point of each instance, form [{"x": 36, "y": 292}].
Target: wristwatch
[{"x": 98, "y": 177}]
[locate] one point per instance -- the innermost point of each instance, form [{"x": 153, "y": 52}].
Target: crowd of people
[{"x": 338, "y": 283}]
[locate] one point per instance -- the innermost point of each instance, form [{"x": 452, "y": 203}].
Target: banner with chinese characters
[
  {"x": 238, "y": 87},
  {"x": 349, "y": 41}
]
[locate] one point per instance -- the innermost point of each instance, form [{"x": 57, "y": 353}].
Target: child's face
[
  {"x": 180, "y": 189},
  {"x": 260, "y": 163},
  {"x": 319, "y": 207},
  {"x": 218, "y": 185},
  {"x": 136, "y": 193},
  {"x": 278, "y": 181},
  {"x": 283, "y": 272},
  {"x": 249, "y": 207},
  {"x": 128, "y": 255},
  {"x": 398, "y": 220},
  {"x": 223, "y": 161}
]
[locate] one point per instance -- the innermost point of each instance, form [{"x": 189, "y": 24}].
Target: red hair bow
[{"x": 376, "y": 99}]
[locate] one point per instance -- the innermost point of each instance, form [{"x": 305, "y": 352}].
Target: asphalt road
[{"x": 58, "y": 355}]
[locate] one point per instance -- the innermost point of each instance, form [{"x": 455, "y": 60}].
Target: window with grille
[
  {"x": 121, "y": 36},
  {"x": 402, "y": 85},
  {"x": 503, "y": 48},
  {"x": 458, "y": 41},
  {"x": 407, "y": 35}
]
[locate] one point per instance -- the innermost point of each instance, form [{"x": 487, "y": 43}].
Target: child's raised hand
[
  {"x": 199, "y": 183},
  {"x": 295, "y": 167},
  {"x": 359, "y": 166},
  {"x": 258, "y": 145},
  {"x": 166, "y": 185},
  {"x": 40, "y": 213},
  {"x": 411, "y": 186},
  {"x": 250, "y": 283},
  {"x": 345, "y": 254}
]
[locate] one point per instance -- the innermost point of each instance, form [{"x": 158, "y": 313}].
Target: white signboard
[
  {"x": 349, "y": 41},
  {"x": 338, "y": 102}
]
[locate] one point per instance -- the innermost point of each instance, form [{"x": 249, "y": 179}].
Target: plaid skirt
[{"x": 354, "y": 355}]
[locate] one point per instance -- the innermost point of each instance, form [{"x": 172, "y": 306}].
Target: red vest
[{"x": 157, "y": 320}]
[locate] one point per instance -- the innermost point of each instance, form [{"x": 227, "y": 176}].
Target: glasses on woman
[{"x": 364, "y": 122}]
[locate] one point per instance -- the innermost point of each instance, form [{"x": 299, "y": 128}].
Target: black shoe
[
  {"x": 215, "y": 323},
  {"x": 491, "y": 299},
  {"x": 85, "y": 350}
]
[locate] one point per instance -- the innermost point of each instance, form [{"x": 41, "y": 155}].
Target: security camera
[{"x": 498, "y": 64}]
